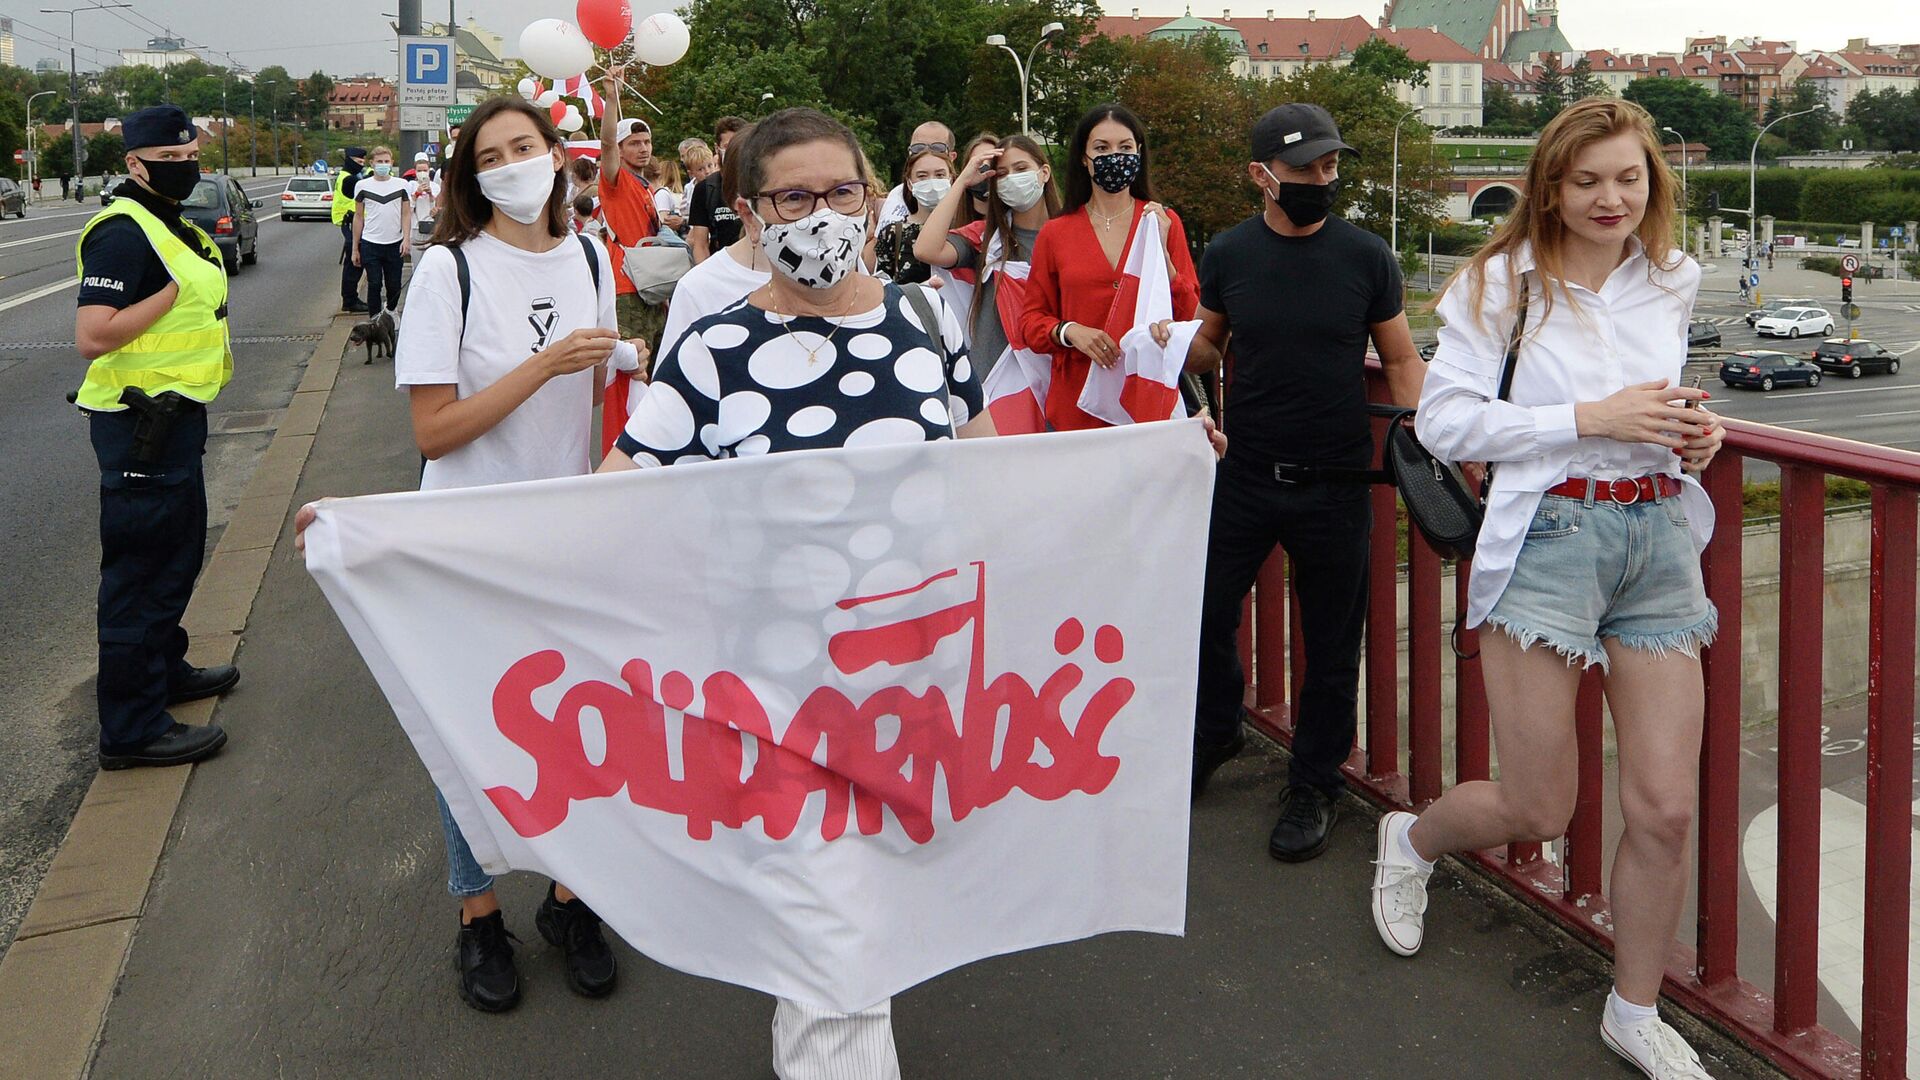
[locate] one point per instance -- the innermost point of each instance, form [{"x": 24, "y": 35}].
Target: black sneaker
[
  {"x": 1305, "y": 827},
  {"x": 1209, "y": 756},
  {"x": 574, "y": 927},
  {"x": 488, "y": 979}
]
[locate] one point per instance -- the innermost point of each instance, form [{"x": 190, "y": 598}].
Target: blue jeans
[{"x": 465, "y": 878}]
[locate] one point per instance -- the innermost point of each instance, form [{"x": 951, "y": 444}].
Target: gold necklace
[{"x": 825, "y": 341}]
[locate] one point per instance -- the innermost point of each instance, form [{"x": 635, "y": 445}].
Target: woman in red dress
[{"x": 1076, "y": 292}]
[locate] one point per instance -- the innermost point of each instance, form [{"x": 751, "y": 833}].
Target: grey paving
[{"x": 298, "y": 925}]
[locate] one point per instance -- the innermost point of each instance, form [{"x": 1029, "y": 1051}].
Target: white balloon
[
  {"x": 660, "y": 39},
  {"x": 555, "y": 48},
  {"x": 529, "y": 89},
  {"x": 547, "y": 99},
  {"x": 571, "y": 123}
]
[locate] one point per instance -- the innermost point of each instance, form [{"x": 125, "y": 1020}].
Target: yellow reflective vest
[
  {"x": 186, "y": 350},
  {"x": 342, "y": 206}
]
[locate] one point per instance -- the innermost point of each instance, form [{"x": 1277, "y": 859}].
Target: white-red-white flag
[
  {"x": 1016, "y": 387},
  {"x": 1145, "y": 383}
]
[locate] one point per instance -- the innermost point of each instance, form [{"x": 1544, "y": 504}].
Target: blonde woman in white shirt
[{"x": 1590, "y": 549}]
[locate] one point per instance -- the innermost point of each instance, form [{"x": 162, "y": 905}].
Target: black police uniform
[{"x": 349, "y": 273}]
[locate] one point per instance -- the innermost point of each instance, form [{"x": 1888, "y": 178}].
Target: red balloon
[
  {"x": 606, "y": 23},
  {"x": 557, "y": 110}
]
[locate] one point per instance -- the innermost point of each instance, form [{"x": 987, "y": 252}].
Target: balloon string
[{"x": 643, "y": 98}]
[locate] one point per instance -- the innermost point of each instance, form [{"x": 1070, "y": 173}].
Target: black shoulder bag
[{"x": 1440, "y": 502}]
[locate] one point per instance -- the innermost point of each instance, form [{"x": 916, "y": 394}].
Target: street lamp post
[
  {"x": 1396, "y": 181},
  {"x": 226, "y": 122},
  {"x": 253, "y": 132},
  {"x": 73, "y": 89},
  {"x": 33, "y": 158},
  {"x": 1683, "y": 187},
  {"x": 1753, "y": 183},
  {"x": 999, "y": 41}
]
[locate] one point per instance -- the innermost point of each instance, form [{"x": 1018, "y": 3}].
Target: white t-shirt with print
[
  {"x": 521, "y": 302},
  {"x": 378, "y": 202},
  {"x": 716, "y": 284}
]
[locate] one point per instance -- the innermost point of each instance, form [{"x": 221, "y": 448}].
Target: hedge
[
  {"x": 1877, "y": 195},
  {"x": 1776, "y": 189}
]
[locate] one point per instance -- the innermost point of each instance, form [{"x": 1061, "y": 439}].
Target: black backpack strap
[
  {"x": 1513, "y": 344},
  {"x": 593, "y": 264},
  {"x": 466, "y": 284},
  {"x": 923, "y": 307}
]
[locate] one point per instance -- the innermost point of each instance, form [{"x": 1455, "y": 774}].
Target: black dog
[{"x": 375, "y": 334}]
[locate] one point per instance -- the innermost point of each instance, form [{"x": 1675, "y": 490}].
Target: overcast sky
[{"x": 350, "y": 36}]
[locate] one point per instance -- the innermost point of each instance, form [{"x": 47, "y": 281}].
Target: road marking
[
  {"x": 1878, "y": 415},
  {"x": 40, "y": 239},
  {"x": 44, "y": 290}
]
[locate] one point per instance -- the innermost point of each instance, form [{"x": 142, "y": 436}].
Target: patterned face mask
[
  {"x": 1116, "y": 173},
  {"x": 816, "y": 252}
]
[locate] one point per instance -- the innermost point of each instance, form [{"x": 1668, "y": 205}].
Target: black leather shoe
[
  {"x": 484, "y": 954},
  {"x": 182, "y": 744},
  {"x": 1209, "y": 756},
  {"x": 574, "y": 927},
  {"x": 203, "y": 682},
  {"x": 1305, "y": 827}
]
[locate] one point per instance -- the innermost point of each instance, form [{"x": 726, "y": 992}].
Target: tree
[
  {"x": 106, "y": 152},
  {"x": 56, "y": 156},
  {"x": 1583, "y": 83},
  {"x": 1502, "y": 114},
  {"x": 312, "y": 106},
  {"x": 1814, "y": 131},
  {"x": 1700, "y": 114},
  {"x": 1889, "y": 118},
  {"x": 1551, "y": 84},
  {"x": 1389, "y": 63},
  {"x": 275, "y": 93}
]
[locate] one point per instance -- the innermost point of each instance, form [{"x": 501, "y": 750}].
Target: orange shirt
[{"x": 626, "y": 204}]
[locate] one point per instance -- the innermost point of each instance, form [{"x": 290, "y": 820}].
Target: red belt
[{"x": 1625, "y": 491}]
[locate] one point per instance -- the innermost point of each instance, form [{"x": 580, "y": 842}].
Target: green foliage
[
  {"x": 1389, "y": 63},
  {"x": 1452, "y": 238},
  {"x": 106, "y": 153},
  {"x": 56, "y": 157},
  {"x": 12, "y": 138},
  {"x": 1888, "y": 119},
  {"x": 1411, "y": 264},
  {"x": 1551, "y": 84},
  {"x": 1815, "y": 131},
  {"x": 1761, "y": 499},
  {"x": 1881, "y": 195},
  {"x": 1583, "y": 83},
  {"x": 1700, "y": 114}
]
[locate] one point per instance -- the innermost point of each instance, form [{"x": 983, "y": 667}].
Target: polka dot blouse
[{"x": 746, "y": 381}]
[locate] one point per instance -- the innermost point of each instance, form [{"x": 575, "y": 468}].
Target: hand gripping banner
[{"x": 844, "y": 720}]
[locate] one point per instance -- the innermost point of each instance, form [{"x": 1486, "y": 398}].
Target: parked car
[
  {"x": 1796, "y": 322},
  {"x": 1427, "y": 350},
  {"x": 13, "y": 198},
  {"x": 307, "y": 197},
  {"x": 219, "y": 206},
  {"x": 1702, "y": 334},
  {"x": 1854, "y": 358},
  {"x": 1766, "y": 370},
  {"x": 1772, "y": 306}
]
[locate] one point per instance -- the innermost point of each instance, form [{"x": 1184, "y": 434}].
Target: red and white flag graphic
[
  {"x": 1145, "y": 384},
  {"x": 1016, "y": 388}
]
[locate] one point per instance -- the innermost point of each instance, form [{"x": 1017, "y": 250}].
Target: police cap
[{"x": 159, "y": 125}]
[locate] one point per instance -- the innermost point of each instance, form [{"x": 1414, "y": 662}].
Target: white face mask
[
  {"x": 816, "y": 252},
  {"x": 520, "y": 190},
  {"x": 1021, "y": 190},
  {"x": 929, "y": 192}
]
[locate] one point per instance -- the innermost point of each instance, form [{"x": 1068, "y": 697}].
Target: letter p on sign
[{"x": 427, "y": 64}]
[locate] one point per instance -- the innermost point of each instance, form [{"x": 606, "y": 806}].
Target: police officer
[
  {"x": 344, "y": 183},
  {"x": 153, "y": 321}
]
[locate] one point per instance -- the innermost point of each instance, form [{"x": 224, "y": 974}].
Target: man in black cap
[
  {"x": 344, "y": 185},
  {"x": 152, "y": 321},
  {"x": 1299, "y": 292}
]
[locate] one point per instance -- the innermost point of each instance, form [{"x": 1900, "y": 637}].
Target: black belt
[{"x": 1320, "y": 474}]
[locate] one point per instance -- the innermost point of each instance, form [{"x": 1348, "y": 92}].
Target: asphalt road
[{"x": 49, "y": 547}]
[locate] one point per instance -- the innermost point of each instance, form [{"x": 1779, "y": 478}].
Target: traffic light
[
  {"x": 1846, "y": 290},
  {"x": 1713, "y": 202}
]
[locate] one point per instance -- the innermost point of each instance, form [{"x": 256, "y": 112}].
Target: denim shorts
[{"x": 1592, "y": 571}]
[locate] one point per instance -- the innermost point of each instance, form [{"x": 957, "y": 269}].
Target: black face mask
[
  {"x": 981, "y": 191},
  {"x": 1307, "y": 204},
  {"x": 173, "y": 180}
]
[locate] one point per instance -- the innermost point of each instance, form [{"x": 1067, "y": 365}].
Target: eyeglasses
[
  {"x": 792, "y": 204},
  {"x": 919, "y": 148}
]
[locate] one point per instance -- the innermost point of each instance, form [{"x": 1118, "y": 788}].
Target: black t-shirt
[
  {"x": 1301, "y": 310},
  {"x": 708, "y": 212}
]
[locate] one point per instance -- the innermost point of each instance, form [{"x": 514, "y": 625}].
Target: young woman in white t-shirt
[
  {"x": 1590, "y": 551},
  {"x": 503, "y": 383}
]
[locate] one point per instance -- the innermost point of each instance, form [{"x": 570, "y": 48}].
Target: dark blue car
[{"x": 1766, "y": 370}]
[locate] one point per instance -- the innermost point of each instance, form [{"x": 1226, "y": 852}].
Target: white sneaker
[
  {"x": 1655, "y": 1047},
  {"x": 1399, "y": 889}
]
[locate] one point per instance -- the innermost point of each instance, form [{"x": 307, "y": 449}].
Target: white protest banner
[{"x": 842, "y": 720}]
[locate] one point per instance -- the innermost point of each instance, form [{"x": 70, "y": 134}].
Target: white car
[
  {"x": 307, "y": 197},
  {"x": 1795, "y": 321}
]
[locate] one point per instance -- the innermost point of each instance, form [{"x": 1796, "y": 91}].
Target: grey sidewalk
[
  {"x": 1788, "y": 279},
  {"x": 298, "y": 924}
]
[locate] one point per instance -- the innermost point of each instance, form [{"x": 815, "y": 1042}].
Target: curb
[{"x": 60, "y": 974}]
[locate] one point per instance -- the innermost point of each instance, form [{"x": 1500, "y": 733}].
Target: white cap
[
  {"x": 422, "y": 156},
  {"x": 627, "y": 128}
]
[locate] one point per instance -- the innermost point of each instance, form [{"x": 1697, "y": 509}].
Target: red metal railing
[{"x": 1703, "y": 976}]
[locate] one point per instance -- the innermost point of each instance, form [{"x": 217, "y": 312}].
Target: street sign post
[
  {"x": 1850, "y": 263},
  {"x": 426, "y": 71},
  {"x": 457, "y": 114},
  {"x": 422, "y": 118}
]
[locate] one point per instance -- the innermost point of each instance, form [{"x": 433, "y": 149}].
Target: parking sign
[{"x": 426, "y": 71}]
